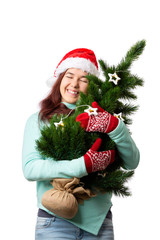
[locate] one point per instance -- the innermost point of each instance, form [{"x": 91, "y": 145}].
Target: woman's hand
[
  {"x": 96, "y": 161},
  {"x": 102, "y": 122}
]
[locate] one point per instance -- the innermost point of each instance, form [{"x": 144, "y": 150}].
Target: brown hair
[{"x": 52, "y": 103}]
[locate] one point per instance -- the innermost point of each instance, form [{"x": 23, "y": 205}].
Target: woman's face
[{"x": 72, "y": 84}]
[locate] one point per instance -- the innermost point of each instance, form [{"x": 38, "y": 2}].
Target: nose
[{"x": 75, "y": 83}]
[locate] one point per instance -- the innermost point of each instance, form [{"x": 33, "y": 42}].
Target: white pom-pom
[{"x": 50, "y": 82}]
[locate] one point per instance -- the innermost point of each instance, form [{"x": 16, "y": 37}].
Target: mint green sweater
[{"x": 92, "y": 213}]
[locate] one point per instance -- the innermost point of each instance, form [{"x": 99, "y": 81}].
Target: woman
[{"x": 94, "y": 218}]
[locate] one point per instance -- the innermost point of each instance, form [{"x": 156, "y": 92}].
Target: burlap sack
[{"x": 63, "y": 199}]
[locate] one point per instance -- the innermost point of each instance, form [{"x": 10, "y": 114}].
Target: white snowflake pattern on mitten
[
  {"x": 99, "y": 123},
  {"x": 100, "y": 160}
]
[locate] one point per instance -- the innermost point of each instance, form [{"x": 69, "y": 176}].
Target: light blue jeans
[{"x": 56, "y": 228}]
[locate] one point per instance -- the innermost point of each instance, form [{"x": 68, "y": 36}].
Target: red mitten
[
  {"x": 102, "y": 122},
  {"x": 96, "y": 161}
]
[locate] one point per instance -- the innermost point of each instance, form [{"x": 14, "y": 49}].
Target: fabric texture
[
  {"x": 92, "y": 212},
  {"x": 51, "y": 228},
  {"x": 43, "y": 213}
]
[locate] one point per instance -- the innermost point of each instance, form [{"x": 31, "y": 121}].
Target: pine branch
[
  {"x": 95, "y": 79},
  {"x": 112, "y": 182},
  {"x": 137, "y": 81},
  {"x": 106, "y": 69},
  {"x": 115, "y": 180},
  {"x": 132, "y": 55}
]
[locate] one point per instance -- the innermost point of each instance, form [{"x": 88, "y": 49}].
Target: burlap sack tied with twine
[{"x": 63, "y": 199}]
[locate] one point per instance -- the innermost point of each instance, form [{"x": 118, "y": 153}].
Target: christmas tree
[{"x": 63, "y": 138}]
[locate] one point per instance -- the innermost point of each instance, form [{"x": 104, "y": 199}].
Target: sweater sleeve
[
  {"x": 36, "y": 168},
  {"x": 126, "y": 146}
]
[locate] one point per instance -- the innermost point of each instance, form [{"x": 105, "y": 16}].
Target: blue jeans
[{"x": 56, "y": 228}]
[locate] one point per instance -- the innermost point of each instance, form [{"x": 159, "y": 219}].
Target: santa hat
[{"x": 81, "y": 58}]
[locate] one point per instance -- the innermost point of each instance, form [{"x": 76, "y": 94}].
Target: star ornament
[
  {"x": 114, "y": 78},
  {"x": 57, "y": 124},
  {"x": 119, "y": 116},
  {"x": 91, "y": 111}
]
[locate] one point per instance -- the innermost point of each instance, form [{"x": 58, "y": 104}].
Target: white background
[{"x": 35, "y": 35}]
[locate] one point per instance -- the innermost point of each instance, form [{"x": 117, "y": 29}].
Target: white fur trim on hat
[
  {"x": 74, "y": 62},
  {"x": 50, "y": 81}
]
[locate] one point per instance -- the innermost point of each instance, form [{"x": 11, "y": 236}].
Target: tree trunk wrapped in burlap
[{"x": 63, "y": 199}]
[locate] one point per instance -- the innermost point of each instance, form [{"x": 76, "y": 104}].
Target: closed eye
[{"x": 84, "y": 80}]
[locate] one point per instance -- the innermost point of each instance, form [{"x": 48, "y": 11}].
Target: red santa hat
[{"x": 81, "y": 58}]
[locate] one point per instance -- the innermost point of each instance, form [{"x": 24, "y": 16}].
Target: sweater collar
[{"x": 69, "y": 105}]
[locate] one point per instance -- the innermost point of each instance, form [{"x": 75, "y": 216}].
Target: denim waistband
[{"x": 43, "y": 213}]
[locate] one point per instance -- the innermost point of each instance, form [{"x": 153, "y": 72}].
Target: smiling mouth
[{"x": 73, "y": 93}]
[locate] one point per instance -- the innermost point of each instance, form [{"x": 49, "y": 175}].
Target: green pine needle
[{"x": 132, "y": 55}]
